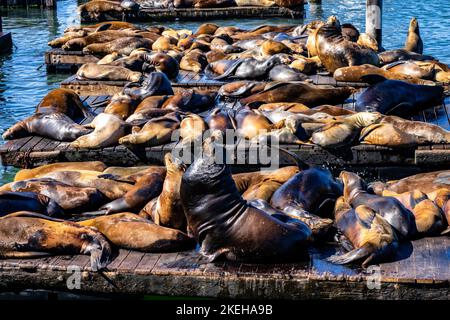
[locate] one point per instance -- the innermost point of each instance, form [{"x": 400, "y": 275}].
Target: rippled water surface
[{"x": 24, "y": 80}]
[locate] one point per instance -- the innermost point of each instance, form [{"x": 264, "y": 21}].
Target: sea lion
[
  {"x": 413, "y": 40},
  {"x": 357, "y": 73},
  {"x": 149, "y": 108},
  {"x": 219, "y": 119},
  {"x": 64, "y": 101},
  {"x": 120, "y": 105},
  {"x": 125, "y": 171},
  {"x": 164, "y": 43},
  {"x": 155, "y": 84},
  {"x": 190, "y": 100},
  {"x": 411, "y": 69},
  {"x": 58, "y": 42},
  {"x": 164, "y": 63},
  {"x": 369, "y": 234},
  {"x": 355, "y": 194},
  {"x": 95, "y": 8},
  {"x": 343, "y": 132},
  {"x": 305, "y": 65},
  {"x": 193, "y": 60},
  {"x": 155, "y": 132},
  {"x": 56, "y": 126},
  {"x": 284, "y": 106},
  {"x": 308, "y": 94},
  {"x": 192, "y": 128},
  {"x": 390, "y": 56},
  {"x": 394, "y": 97},
  {"x": 68, "y": 197},
  {"x": 123, "y": 46},
  {"x": 27, "y": 234},
  {"x": 206, "y": 28},
  {"x": 90, "y": 179},
  {"x": 239, "y": 89},
  {"x": 328, "y": 109},
  {"x": 286, "y": 73},
  {"x": 427, "y": 215},
  {"x": 441, "y": 198},
  {"x": 129, "y": 231},
  {"x": 335, "y": 52},
  {"x": 225, "y": 225},
  {"x": 213, "y": 3},
  {"x": 25, "y": 174},
  {"x": 349, "y": 32},
  {"x": 388, "y": 135},
  {"x": 146, "y": 188},
  {"x": 96, "y": 71},
  {"x": 250, "y": 123},
  {"x": 166, "y": 209},
  {"x": 108, "y": 128},
  {"x": 367, "y": 41},
  {"x": 78, "y": 44},
  {"x": 12, "y": 201},
  {"x": 109, "y": 25}
]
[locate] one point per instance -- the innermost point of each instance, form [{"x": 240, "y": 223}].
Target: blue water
[{"x": 24, "y": 80}]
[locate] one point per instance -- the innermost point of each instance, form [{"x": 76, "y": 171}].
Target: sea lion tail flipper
[
  {"x": 103, "y": 27},
  {"x": 351, "y": 256},
  {"x": 30, "y": 214},
  {"x": 99, "y": 250},
  {"x": 230, "y": 70},
  {"x": 446, "y": 232},
  {"x": 299, "y": 162},
  {"x": 102, "y": 212},
  {"x": 372, "y": 78}
]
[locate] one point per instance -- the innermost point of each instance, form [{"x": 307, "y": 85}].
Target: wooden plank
[
  {"x": 147, "y": 263},
  {"x": 119, "y": 259}
]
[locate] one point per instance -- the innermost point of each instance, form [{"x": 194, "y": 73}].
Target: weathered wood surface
[
  {"x": 149, "y": 15},
  {"x": 420, "y": 270}
]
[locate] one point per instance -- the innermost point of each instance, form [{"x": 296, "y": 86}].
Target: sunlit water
[{"x": 24, "y": 80}]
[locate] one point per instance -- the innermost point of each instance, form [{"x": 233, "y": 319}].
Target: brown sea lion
[
  {"x": 225, "y": 225},
  {"x": 125, "y": 171},
  {"x": 129, "y": 231},
  {"x": 68, "y": 197},
  {"x": 27, "y": 234},
  {"x": 427, "y": 215},
  {"x": 390, "y": 56},
  {"x": 213, "y": 3},
  {"x": 413, "y": 40},
  {"x": 190, "y": 100},
  {"x": 308, "y": 94},
  {"x": 242, "y": 88},
  {"x": 355, "y": 194},
  {"x": 366, "y": 234},
  {"x": 193, "y": 60},
  {"x": 155, "y": 132},
  {"x": 357, "y": 73},
  {"x": 94, "y": 71},
  {"x": 123, "y": 46},
  {"x": 164, "y": 43},
  {"x": 58, "y": 42},
  {"x": 120, "y": 105},
  {"x": 90, "y": 179},
  {"x": 166, "y": 209},
  {"x": 219, "y": 119},
  {"x": 305, "y": 65},
  {"x": 95, "y": 8},
  {"x": 206, "y": 28},
  {"x": 191, "y": 128},
  {"x": 367, "y": 41},
  {"x": 441, "y": 198},
  {"x": 78, "y": 44},
  {"x": 149, "y": 108},
  {"x": 251, "y": 123},
  {"x": 65, "y": 101},
  {"x": 25, "y": 174},
  {"x": 108, "y": 129},
  {"x": 285, "y": 106},
  {"x": 108, "y": 25},
  {"x": 56, "y": 126},
  {"x": 331, "y": 110},
  {"x": 336, "y": 52},
  {"x": 12, "y": 201},
  {"x": 411, "y": 69},
  {"x": 388, "y": 135},
  {"x": 164, "y": 63},
  {"x": 146, "y": 188}
]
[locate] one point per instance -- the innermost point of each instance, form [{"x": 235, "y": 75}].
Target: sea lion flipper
[
  {"x": 446, "y": 231},
  {"x": 372, "y": 78},
  {"x": 25, "y": 255},
  {"x": 231, "y": 69},
  {"x": 403, "y": 105},
  {"x": 350, "y": 256},
  {"x": 365, "y": 216}
]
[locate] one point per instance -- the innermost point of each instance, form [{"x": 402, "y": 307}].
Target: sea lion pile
[
  {"x": 268, "y": 52},
  {"x": 267, "y": 216}
]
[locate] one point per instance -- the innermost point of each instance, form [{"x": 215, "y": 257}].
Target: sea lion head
[
  {"x": 414, "y": 25},
  {"x": 173, "y": 164},
  {"x": 334, "y": 22},
  {"x": 364, "y": 119},
  {"x": 18, "y": 130},
  {"x": 352, "y": 184}
]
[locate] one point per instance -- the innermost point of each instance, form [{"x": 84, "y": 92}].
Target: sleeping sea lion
[
  {"x": 369, "y": 235},
  {"x": 355, "y": 194},
  {"x": 123, "y": 46},
  {"x": 58, "y": 42},
  {"x": 250, "y": 123},
  {"x": 190, "y": 100},
  {"x": 95, "y": 8},
  {"x": 78, "y": 44},
  {"x": 411, "y": 69},
  {"x": 193, "y": 60},
  {"x": 64, "y": 101},
  {"x": 12, "y": 201},
  {"x": 390, "y": 56},
  {"x": 108, "y": 25},
  {"x": 286, "y": 73},
  {"x": 206, "y": 28},
  {"x": 96, "y": 71},
  {"x": 27, "y": 234},
  {"x": 25, "y": 174},
  {"x": 149, "y": 108},
  {"x": 225, "y": 225},
  {"x": 243, "y": 88},
  {"x": 164, "y": 63},
  {"x": 108, "y": 129},
  {"x": 129, "y": 231},
  {"x": 413, "y": 41},
  {"x": 388, "y": 135},
  {"x": 219, "y": 119},
  {"x": 155, "y": 84},
  {"x": 120, "y": 105}
]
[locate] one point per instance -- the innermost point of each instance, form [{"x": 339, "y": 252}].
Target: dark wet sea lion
[
  {"x": 388, "y": 207},
  {"x": 369, "y": 234},
  {"x": 65, "y": 101},
  {"x": 149, "y": 108},
  {"x": 413, "y": 40},
  {"x": 190, "y": 100},
  {"x": 27, "y": 234},
  {"x": 349, "y": 32},
  {"x": 61, "y": 166},
  {"x": 219, "y": 119},
  {"x": 390, "y": 56},
  {"x": 336, "y": 52},
  {"x": 166, "y": 209},
  {"x": 56, "y": 126},
  {"x": 66, "y": 196},
  {"x": 394, "y": 97},
  {"x": 285, "y": 73},
  {"x": 164, "y": 63},
  {"x": 308, "y": 94},
  {"x": 28, "y": 201},
  {"x": 225, "y": 225},
  {"x": 94, "y": 71},
  {"x": 129, "y": 231},
  {"x": 156, "y": 84},
  {"x": 123, "y": 46}
]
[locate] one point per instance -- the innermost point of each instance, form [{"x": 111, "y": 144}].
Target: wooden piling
[
  {"x": 5, "y": 39},
  {"x": 374, "y": 12}
]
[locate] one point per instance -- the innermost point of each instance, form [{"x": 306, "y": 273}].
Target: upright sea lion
[
  {"x": 393, "y": 97},
  {"x": 155, "y": 132},
  {"x": 108, "y": 129},
  {"x": 27, "y": 234},
  {"x": 349, "y": 32},
  {"x": 388, "y": 207},
  {"x": 336, "y": 52},
  {"x": 369, "y": 234},
  {"x": 96, "y": 71},
  {"x": 413, "y": 41},
  {"x": 25, "y": 174},
  {"x": 146, "y": 188},
  {"x": 129, "y": 231},
  {"x": 308, "y": 94},
  {"x": 56, "y": 126},
  {"x": 166, "y": 209},
  {"x": 225, "y": 225},
  {"x": 66, "y": 196},
  {"x": 90, "y": 179},
  {"x": 65, "y": 101},
  {"x": 28, "y": 201},
  {"x": 123, "y": 46}
]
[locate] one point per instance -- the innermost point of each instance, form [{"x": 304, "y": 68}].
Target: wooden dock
[
  {"x": 28, "y": 3},
  {"x": 192, "y": 14},
  {"x": 368, "y": 160},
  {"x": 420, "y": 270}
]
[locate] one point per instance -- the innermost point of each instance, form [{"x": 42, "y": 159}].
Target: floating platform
[
  {"x": 367, "y": 160},
  {"x": 420, "y": 270},
  {"x": 192, "y": 14}
]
